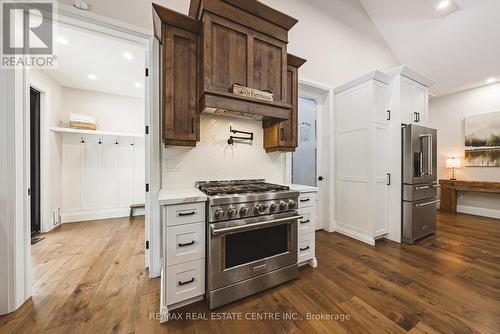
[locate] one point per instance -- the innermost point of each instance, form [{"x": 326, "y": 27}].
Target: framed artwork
[{"x": 482, "y": 140}]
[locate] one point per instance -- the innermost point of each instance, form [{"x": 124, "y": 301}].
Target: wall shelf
[{"x": 97, "y": 132}]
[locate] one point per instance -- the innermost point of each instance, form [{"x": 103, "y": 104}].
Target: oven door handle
[{"x": 240, "y": 228}]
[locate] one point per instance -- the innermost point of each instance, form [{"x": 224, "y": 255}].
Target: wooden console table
[{"x": 450, "y": 188}]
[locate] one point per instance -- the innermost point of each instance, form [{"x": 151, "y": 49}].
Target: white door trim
[{"x": 323, "y": 95}]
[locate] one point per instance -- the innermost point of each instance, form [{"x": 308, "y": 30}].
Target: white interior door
[{"x": 307, "y": 160}]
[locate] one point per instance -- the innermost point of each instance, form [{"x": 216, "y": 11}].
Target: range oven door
[{"x": 246, "y": 248}]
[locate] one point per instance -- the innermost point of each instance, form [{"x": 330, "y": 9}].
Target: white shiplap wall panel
[{"x": 101, "y": 180}]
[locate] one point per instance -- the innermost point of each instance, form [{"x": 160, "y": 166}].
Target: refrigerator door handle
[
  {"x": 419, "y": 205},
  {"x": 428, "y": 154}
]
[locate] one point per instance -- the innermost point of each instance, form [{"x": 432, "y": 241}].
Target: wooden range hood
[{"x": 242, "y": 42}]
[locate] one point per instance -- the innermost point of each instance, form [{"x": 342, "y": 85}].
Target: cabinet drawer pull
[
  {"x": 182, "y": 214},
  {"x": 388, "y": 115},
  {"x": 305, "y": 200},
  {"x": 186, "y": 282},
  {"x": 282, "y": 134},
  {"x": 304, "y": 221},
  {"x": 186, "y": 244},
  {"x": 305, "y": 248},
  {"x": 388, "y": 179},
  {"x": 415, "y": 117}
]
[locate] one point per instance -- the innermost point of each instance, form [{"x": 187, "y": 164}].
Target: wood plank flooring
[{"x": 89, "y": 278}]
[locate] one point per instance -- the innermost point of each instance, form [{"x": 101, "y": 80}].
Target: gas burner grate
[{"x": 213, "y": 188}]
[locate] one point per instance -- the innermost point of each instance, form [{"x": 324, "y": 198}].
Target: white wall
[
  {"x": 51, "y": 115},
  {"x": 447, "y": 114},
  {"x": 113, "y": 112}
]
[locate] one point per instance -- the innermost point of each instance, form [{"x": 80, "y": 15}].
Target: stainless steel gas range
[{"x": 251, "y": 238}]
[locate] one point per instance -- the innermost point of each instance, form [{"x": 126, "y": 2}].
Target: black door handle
[
  {"x": 305, "y": 248},
  {"x": 186, "y": 282},
  {"x": 388, "y": 115},
  {"x": 388, "y": 179},
  {"x": 320, "y": 178},
  {"x": 182, "y": 214},
  {"x": 282, "y": 133},
  {"x": 186, "y": 244}
]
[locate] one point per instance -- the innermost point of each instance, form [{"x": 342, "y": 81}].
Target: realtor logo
[{"x": 27, "y": 33}]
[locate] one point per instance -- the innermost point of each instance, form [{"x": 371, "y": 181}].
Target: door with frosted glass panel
[{"x": 304, "y": 158}]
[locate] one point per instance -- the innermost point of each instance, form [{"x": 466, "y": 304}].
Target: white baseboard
[
  {"x": 473, "y": 210},
  {"x": 355, "y": 234},
  {"x": 85, "y": 215}
]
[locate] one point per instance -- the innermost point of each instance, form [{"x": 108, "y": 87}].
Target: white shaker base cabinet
[
  {"x": 307, "y": 208},
  {"x": 362, "y": 157},
  {"x": 184, "y": 242}
]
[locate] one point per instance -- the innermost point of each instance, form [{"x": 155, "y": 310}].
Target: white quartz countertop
[
  {"x": 302, "y": 188},
  {"x": 179, "y": 196}
]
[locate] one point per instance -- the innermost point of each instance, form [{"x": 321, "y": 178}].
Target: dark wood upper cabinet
[
  {"x": 221, "y": 43},
  {"x": 179, "y": 37},
  {"x": 283, "y": 136}
]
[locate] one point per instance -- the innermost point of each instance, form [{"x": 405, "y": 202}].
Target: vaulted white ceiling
[{"x": 459, "y": 51}]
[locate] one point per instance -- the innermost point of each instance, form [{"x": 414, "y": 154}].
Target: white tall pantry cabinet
[
  {"x": 369, "y": 112},
  {"x": 363, "y": 176}
]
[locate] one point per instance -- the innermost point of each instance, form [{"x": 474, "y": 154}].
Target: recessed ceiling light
[
  {"x": 138, "y": 85},
  {"x": 92, "y": 77},
  {"x": 491, "y": 80},
  {"x": 127, "y": 55},
  {"x": 443, "y": 4},
  {"x": 62, "y": 40}
]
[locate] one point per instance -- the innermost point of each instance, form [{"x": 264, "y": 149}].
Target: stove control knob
[
  {"x": 291, "y": 204},
  {"x": 232, "y": 212},
  {"x": 219, "y": 213},
  {"x": 244, "y": 211},
  {"x": 273, "y": 207},
  {"x": 282, "y": 205},
  {"x": 260, "y": 208}
]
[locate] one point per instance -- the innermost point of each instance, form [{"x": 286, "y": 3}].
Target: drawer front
[
  {"x": 185, "y": 243},
  {"x": 416, "y": 192},
  {"x": 307, "y": 200},
  {"x": 185, "y": 281},
  {"x": 307, "y": 223},
  {"x": 306, "y": 247},
  {"x": 185, "y": 213},
  {"x": 424, "y": 218}
]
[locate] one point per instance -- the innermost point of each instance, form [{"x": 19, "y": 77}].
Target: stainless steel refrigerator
[{"x": 419, "y": 182}]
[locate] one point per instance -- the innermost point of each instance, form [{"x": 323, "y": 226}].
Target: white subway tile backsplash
[{"x": 214, "y": 159}]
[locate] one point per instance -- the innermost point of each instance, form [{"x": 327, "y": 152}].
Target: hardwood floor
[{"x": 89, "y": 278}]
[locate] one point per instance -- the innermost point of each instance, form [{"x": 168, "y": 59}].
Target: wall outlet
[{"x": 171, "y": 166}]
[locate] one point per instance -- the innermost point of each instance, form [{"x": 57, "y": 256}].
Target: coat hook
[{"x": 82, "y": 140}]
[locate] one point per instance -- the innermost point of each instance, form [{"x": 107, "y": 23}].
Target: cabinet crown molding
[
  {"x": 412, "y": 74},
  {"x": 375, "y": 75},
  {"x": 253, "y": 7}
]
